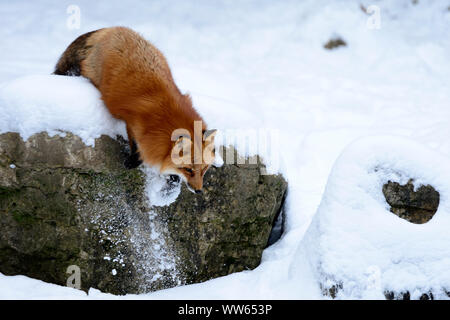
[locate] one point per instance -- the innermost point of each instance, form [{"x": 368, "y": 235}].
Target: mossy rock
[{"x": 64, "y": 203}]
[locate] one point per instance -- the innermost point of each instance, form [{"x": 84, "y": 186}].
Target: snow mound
[
  {"x": 360, "y": 249},
  {"x": 158, "y": 190},
  {"x": 56, "y": 104}
]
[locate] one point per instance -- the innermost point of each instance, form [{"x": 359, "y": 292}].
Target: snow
[
  {"x": 354, "y": 234},
  {"x": 21, "y": 287},
  {"x": 260, "y": 66},
  {"x": 54, "y": 103},
  {"x": 157, "y": 189}
]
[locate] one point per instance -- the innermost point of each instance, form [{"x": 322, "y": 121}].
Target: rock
[
  {"x": 407, "y": 296},
  {"x": 414, "y": 206},
  {"x": 334, "y": 43},
  {"x": 63, "y": 203},
  {"x": 228, "y": 227}
]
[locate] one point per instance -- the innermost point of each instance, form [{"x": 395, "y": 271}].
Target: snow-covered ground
[
  {"x": 354, "y": 240},
  {"x": 261, "y": 65}
]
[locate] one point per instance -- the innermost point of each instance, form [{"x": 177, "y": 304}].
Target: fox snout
[
  {"x": 191, "y": 175},
  {"x": 193, "y": 179},
  {"x": 196, "y": 184}
]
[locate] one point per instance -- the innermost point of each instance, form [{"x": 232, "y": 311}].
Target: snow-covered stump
[
  {"x": 381, "y": 230},
  {"x": 64, "y": 203}
]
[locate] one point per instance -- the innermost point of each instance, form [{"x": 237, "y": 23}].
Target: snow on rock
[
  {"x": 360, "y": 249},
  {"x": 55, "y": 104},
  {"x": 158, "y": 190}
]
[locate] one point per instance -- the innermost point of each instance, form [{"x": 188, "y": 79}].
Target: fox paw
[{"x": 173, "y": 180}]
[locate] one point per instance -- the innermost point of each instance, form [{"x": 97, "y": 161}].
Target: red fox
[{"x": 136, "y": 85}]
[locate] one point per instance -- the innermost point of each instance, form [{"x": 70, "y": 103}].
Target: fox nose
[{"x": 198, "y": 191}]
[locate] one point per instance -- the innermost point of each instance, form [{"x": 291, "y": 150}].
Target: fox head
[{"x": 191, "y": 157}]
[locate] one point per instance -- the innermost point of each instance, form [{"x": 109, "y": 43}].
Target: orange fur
[{"x": 136, "y": 85}]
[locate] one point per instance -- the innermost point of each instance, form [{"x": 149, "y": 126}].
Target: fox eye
[{"x": 189, "y": 170}]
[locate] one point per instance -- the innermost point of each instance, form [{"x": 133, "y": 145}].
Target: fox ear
[{"x": 209, "y": 133}]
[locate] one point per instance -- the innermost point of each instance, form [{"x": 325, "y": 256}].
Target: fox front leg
[{"x": 133, "y": 160}]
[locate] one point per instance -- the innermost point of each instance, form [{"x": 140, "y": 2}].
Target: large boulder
[{"x": 63, "y": 203}]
